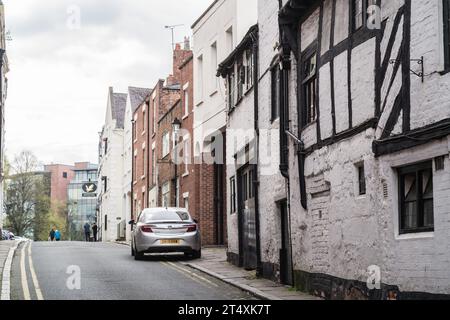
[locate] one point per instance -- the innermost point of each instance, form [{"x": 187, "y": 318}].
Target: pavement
[
  {"x": 214, "y": 263},
  {"x": 107, "y": 271},
  {"x": 7, "y": 249}
]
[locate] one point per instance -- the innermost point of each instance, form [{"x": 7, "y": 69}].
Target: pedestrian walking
[
  {"x": 52, "y": 234},
  {"x": 57, "y": 235},
  {"x": 87, "y": 231},
  {"x": 95, "y": 230}
]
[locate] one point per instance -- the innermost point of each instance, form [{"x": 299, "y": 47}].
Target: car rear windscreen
[{"x": 167, "y": 216}]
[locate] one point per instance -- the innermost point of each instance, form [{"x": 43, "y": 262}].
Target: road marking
[
  {"x": 192, "y": 274},
  {"x": 184, "y": 274},
  {"x": 6, "y": 276},
  {"x": 33, "y": 276},
  {"x": 23, "y": 273}
]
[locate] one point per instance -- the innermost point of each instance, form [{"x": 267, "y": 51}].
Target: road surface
[{"x": 101, "y": 271}]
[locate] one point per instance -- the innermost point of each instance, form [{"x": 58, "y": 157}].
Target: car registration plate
[{"x": 170, "y": 241}]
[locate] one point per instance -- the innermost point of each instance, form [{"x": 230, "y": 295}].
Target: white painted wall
[
  {"x": 111, "y": 166},
  {"x": 342, "y": 233},
  {"x": 209, "y": 92}
]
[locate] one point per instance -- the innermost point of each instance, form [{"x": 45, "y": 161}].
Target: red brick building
[
  {"x": 157, "y": 181},
  {"x": 61, "y": 175}
]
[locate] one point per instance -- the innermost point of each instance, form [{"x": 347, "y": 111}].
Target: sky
[{"x": 65, "y": 54}]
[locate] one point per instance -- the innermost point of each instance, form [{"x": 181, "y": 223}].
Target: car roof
[{"x": 165, "y": 209}]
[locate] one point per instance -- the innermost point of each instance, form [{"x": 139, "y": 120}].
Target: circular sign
[{"x": 89, "y": 187}]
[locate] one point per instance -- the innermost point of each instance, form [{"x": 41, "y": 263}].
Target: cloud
[{"x": 59, "y": 76}]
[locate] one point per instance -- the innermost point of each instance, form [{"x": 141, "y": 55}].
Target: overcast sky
[{"x": 61, "y": 66}]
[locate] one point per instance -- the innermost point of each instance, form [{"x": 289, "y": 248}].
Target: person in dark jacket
[
  {"x": 95, "y": 230},
  {"x": 87, "y": 231},
  {"x": 52, "y": 234}
]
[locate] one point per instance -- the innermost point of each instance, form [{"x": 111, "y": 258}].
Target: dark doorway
[
  {"x": 285, "y": 251},
  {"x": 219, "y": 198},
  {"x": 247, "y": 218}
]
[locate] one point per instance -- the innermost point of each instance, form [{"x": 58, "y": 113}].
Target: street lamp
[{"x": 176, "y": 126}]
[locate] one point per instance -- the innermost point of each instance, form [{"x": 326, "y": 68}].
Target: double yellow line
[
  {"x": 193, "y": 276},
  {"x": 23, "y": 272}
]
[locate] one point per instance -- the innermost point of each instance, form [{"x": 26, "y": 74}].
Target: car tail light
[
  {"x": 191, "y": 228},
  {"x": 147, "y": 229}
]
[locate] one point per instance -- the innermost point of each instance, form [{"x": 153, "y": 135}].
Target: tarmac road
[{"x": 51, "y": 270}]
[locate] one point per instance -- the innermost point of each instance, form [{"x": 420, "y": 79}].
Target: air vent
[{"x": 385, "y": 189}]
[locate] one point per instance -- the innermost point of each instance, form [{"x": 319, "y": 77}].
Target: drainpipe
[{"x": 255, "y": 40}]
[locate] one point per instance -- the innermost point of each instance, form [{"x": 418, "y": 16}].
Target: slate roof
[
  {"x": 137, "y": 96},
  {"x": 118, "y": 106}
]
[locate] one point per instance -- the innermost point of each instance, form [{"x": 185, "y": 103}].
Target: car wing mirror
[{"x": 132, "y": 222}]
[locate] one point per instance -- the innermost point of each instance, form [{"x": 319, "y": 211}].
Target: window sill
[
  {"x": 415, "y": 236},
  {"x": 185, "y": 175},
  {"x": 198, "y": 104},
  {"x": 212, "y": 94},
  {"x": 135, "y": 183},
  {"x": 143, "y": 177},
  {"x": 135, "y": 141},
  {"x": 446, "y": 71},
  {"x": 143, "y": 133},
  {"x": 185, "y": 116}
]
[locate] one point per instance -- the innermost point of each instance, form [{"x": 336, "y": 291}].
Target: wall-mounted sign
[{"x": 89, "y": 190}]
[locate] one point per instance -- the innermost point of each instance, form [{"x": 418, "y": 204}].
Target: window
[
  {"x": 186, "y": 203},
  {"x": 309, "y": 87},
  {"x": 446, "y": 7},
  {"x": 106, "y": 222},
  {"x": 153, "y": 167},
  {"x": 275, "y": 87},
  {"x": 233, "y": 194},
  {"x": 134, "y": 131},
  {"x": 165, "y": 144},
  {"x": 249, "y": 77},
  {"x": 186, "y": 103},
  {"x": 143, "y": 121},
  {"x": 135, "y": 170},
  {"x": 214, "y": 66},
  {"x": 230, "y": 41},
  {"x": 439, "y": 163},
  {"x": 143, "y": 163},
  {"x": 106, "y": 145},
  {"x": 165, "y": 194},
  {"x": 155, "y": 120},
  {"x": 231, "y": 90},
  {"x": 416, "y": 198},
  {"x": 200, "y": 78},
  {"x": 360, "y": 14},
  {"x": 240, "y": 79},
  {"x": 65, "y": 175},
  {"x": 362, "y": 179}
]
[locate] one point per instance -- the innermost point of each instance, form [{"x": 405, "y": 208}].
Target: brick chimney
[{"x": 179, "y": 56}]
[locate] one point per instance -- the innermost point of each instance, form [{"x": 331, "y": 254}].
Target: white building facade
[
  {"x": 112, "y": 217},
  {"x": 368, "y": 114},
  {"x": 136, "y": 96}
]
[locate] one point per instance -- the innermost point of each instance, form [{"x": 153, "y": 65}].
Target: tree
[{"x": 27, "y": 197}]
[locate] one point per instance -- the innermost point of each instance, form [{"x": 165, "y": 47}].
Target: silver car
[{"x": 164, "y": 230}]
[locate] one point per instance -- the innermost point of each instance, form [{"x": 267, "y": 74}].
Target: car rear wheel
[{"x": 197, "y": 254}]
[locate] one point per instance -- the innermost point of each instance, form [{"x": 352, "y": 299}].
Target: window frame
[
  {"x": 275, "y": 85},
  {"x": 418, "y": 169},
  {"x": 365, "y": 4},
  {"x": 165, "y": 144},
  {"x": 311, "y": 79}
]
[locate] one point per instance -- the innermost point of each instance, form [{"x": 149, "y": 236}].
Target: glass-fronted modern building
[{"x": 82, "y": 200}]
